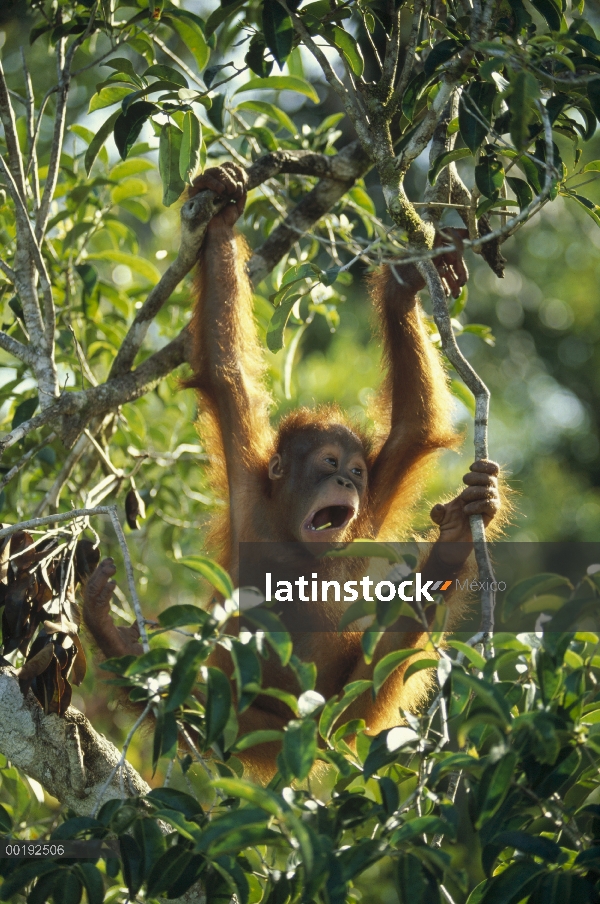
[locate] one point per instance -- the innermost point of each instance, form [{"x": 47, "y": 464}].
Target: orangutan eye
[
  {"x": 357, "y": 471},
  {"x": 331, "y": 461}
]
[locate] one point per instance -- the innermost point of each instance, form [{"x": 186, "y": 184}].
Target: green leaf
[
  {"x": 524, "y": 92},
  {"x": 472, "y": 655},
  {"x": 253, "y": 738},
  {"x": 538, "y": 585},
  {"x": 92, "y": 881},
  {"x": 444, "y": 159},
  {"x": 23, "y": 875},
  {"x": 212, "y": 571},
  {"x": 349, "y": 48},
  {"x": 551, "y": 13},
  {"x": 440, "y": 54},
  {"x": 169, "y": 152},
  {"x": 414, "y": 883},
  {"x": 98, "y": 140},
  {"x": 592, "y": 167},
  {"x": 150, "y": 662},
  {"x": 184, "y": 674},
  {"x": 278, "y": 323},
  {"x": 475, "y": 113},
  {"x": 185, "y": 614},
  {"x": 133, "y": 261},
  {"x": 274, "y": 113},
  {"x": 521, "y": 190},
  {"x": 512, "y": 884},
  {"x": 300, "y": 747},
  {"x": 255, "y": 57},
  {"x": 175, "y": 800},
  {"x": 167, "y": 869},
  {"x": 24, "y": 411},
  {"x": 413, "y": 92},
  {"x": 593, "y": 93},
  {"x": 112, "y": 94},
  {"x": 334, "y": 708},
  {"x": 489, "y": 176},
  {"x": 422, "y": 825},
  {"x": 247, "y": 672},
  {"x": 166, "y": 73},
  {"x": 5, "y": 820},
  {"x": 281, "y": 83},
  {"x": 218, "y": 704},
  {"x": 261, "y": 797},
  {"x": 356, "y": 610},
  {"x": 278, "y": 30},
  {"x": 588, "y": 206},
  {"x": 494, "y": 786},
  {"x": 189, "y": 155},
  {"x": 191, "y": 34},
  {"x": 220, "y": 15},
  {"x": 133, "y": 863},
  {"x": 128, "y": 188},
  {"x": 129, "y": 125},
  {"x": 389, "y": 664},
  {"x": 123, "y": 64},
  {"x": 276, "y": 635}
]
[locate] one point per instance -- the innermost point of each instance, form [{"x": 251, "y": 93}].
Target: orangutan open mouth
[{"x": 332, "y": 517}]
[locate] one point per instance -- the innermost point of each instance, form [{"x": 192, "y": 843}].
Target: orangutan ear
[{"x": 276, "y": 467}]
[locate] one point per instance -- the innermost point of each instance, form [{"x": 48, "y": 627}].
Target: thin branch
[
  {"x": 17, "y": 349},
  {"x": 35, "y": 523},
  {"x": 392, "y": 54},
  {"x": 7, "y": 115},
  {"x": 31, "y": 309},
  {"x": 190, "y": 74},
  {"x": 139, "y": 615},
  {"x": 32, "y": 150},
  {"x": 8, "y": 271},
  {"x": 64, "y": 63},
  {"x": 409, "y": 55},
  {"x": 441, "y": 315},
  {"x": 351, "y": 101},
  {"x": 118, "y": 767}
]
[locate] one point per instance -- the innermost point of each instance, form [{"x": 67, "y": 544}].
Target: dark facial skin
[{"x": 319, "y": 484}]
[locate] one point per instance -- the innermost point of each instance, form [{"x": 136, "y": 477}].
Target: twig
[
  {"x": 30, "y": 108},
  {"x": 139, "y": 615},
  {"x": 178, "y": 61},
  {"x": 16, "y": 349},
  {"x": 7, "y": 115},
  {"x": 121, "y": 763}
]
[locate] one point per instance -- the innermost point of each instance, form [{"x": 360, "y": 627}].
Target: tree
[{"x": 500, "y": 87}]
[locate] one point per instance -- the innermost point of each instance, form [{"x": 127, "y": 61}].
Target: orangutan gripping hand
[
  {"x": 480, "y": 498},
  {"x": 112, "y": 640}
]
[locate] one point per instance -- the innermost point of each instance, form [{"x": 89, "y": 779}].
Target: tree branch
[
  {"x": 196, "y": 213},
  {"x": 7, "y": 115},
  {"x": 16, "y": 349},
  {"x": 309, "y": 210},
  {"x": 474, "y": 382},
  {"x": 64, "y": 64},
  {"x": 66, "y": 755}
]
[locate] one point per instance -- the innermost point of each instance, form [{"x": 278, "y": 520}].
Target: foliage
[
  {"x": 510, "y": 93},
  {"x": 516, "y": 732}
]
